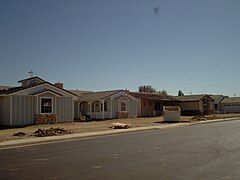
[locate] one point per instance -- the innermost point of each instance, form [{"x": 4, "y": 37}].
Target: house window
[
  {"x": 150, "y": 104},
  {"x": 46, "y": 106},
  {"x": 105, "y": 106},
  {"x": 144, "y": 104},
  {"x": 215, "y": 106},
  {"x": 123, "y": 106}
]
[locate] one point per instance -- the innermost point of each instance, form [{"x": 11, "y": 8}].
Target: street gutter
[{"x": 69, "y": 137}]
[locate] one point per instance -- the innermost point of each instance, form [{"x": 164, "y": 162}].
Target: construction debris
[
  {"x": 50, "y": 132},
  {"x": 20, "y": 134},
  {"x": 198, "y": 118},
  {"x": 120, "y": 126}
]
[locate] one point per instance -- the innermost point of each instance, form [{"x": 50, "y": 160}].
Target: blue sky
[{"x": 192, "y": 45}]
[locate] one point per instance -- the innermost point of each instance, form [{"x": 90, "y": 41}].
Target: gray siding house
[
  {"x": 107, "y": 104},
  {"x": 20, "y": 105}
]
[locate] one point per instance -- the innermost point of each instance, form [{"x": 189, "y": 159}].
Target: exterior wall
[
  {"x": 231, "y": 107},
  {"x": 189, "y": 105},
  {"x": 132, "y": 108},
  {"x": 5, "y": 111},
  {"x": 64, "y": 109},
  {"x": 114, "y": 108},
  {"x": 23, "y": 110},
  {"x": 147, "y": 107}
]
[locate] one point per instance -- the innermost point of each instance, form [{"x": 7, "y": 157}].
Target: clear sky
[{"x": 192, "y": 45}]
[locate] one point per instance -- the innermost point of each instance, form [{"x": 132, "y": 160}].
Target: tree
[
  {"x": 147, "y": 88},
  {"x": 163, "y": 92},
  {"x": 180, "y": 93},
  {"x": 150, "y": 89}
]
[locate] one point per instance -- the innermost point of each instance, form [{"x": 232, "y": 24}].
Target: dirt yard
[{"x": 82, "y": 127}]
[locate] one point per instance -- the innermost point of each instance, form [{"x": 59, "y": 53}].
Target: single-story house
[
  {"x": 36, "y": 98},
  {"x": 107, "y": 105},
  {"x": 152, "y": 103},
  {"x": 195, "y": 104},
  {"x": 230, "y": 105},
  {"x": 216, "y": 103}
]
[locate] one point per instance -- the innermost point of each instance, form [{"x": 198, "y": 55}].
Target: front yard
[{"x": 82, "y": 127}]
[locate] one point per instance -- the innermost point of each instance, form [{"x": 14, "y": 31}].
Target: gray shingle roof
[
  {"x": 231, "y": 100},
  {"x": 197, "y": 97},
  {"x": 96, "y": 96}
]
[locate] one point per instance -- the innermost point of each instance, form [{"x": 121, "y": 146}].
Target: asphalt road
[{"x": 207, "y": 151}]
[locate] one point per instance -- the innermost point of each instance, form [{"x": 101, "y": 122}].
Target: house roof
[
  {"x": 145, "y": 95},
  {"x": 35, "y": 77},
  {"x": 96, "y": 96},
  {"x": 216, "y": 96},
  {"x": 19, "y": 88},
  {"x": 197, "y": 97},
  {"x": 5, "y": 87},
  {"x": 79, "y": 92},
  {"x": 46, "y": 90},
  {"x": 231, "y": 100}
]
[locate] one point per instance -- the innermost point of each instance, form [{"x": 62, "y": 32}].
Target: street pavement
[{"x": 204, "y": 151}]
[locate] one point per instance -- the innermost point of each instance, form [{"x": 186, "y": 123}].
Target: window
[
  {"x": 150, "y": 104},
  {"x": 105, "y": 106},
  {"x": 216, "y": 106},
  {"x": 46, "y": 106},
  {"x": 123, "y": 106},
  {"x": 144, "y": 104}
]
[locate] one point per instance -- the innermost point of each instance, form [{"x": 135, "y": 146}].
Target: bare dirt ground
[{"x": 98, "y": 125}]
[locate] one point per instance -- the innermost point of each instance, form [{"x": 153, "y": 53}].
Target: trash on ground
[
  {"x": 120, "y": 126},
  {"x": 50, "y": 132},
  {"x": 199, "y": 118},
  {"x": 20, "y": 134}
]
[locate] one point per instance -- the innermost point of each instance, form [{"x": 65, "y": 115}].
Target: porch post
[
  {"x": 110, "y": 107},
  {"x": 103, "y": 111},
  {"x": 90, "y": 108}
]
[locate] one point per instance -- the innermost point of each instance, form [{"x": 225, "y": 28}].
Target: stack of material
[
  {"x": 120, "y": 126},
  {"x": 20, "y": 134},
  {"x": 198, "y": 118},
  {"x": 50, "y": 132}
]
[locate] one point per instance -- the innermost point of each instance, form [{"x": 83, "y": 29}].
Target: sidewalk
[
  {"x": 51, "y": 139},
  {"x": 42, "y": 140}
]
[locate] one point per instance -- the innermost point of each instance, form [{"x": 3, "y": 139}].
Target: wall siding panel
[
  {"x": 22, "y": 110},
  {"x": 64, "y": 109}
]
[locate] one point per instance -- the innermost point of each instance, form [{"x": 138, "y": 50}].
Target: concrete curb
[
  {"x": 213, "y": 121},
  {"x": 42, "y": 140},
  {"x": 51, "y": 139}
]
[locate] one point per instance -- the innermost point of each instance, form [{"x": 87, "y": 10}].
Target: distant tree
[
  {"x": 150, "y": 89},
  {"x": 163, "y": 92},
  {"x": 180, "y": 93},
  {"x": 147, "y": 88}
]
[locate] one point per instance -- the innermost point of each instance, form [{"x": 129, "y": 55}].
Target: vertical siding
[
  {"x": 132, "y": 107},
  {"x": 114, "y": 108},
  {"x": 5, "y": 110},
  {"x": 64, "y": 109},
  {"x": 23, "y": 110}
]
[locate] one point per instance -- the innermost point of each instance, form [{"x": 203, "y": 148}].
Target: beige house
[
  {"x": 152, "y": 103},
  {"x": 230, "y": 105},
  {"x": 195, "y": 104},
  {"x": 35, "y": 97},
  {"x": 107, "y": 104}
]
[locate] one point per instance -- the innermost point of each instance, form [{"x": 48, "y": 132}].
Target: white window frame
[
  {"x": 41, "y": 104},
  {"x": 121, "y": 106}
]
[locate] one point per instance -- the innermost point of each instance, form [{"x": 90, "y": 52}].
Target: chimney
[{"x": 59, "y": 85}]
